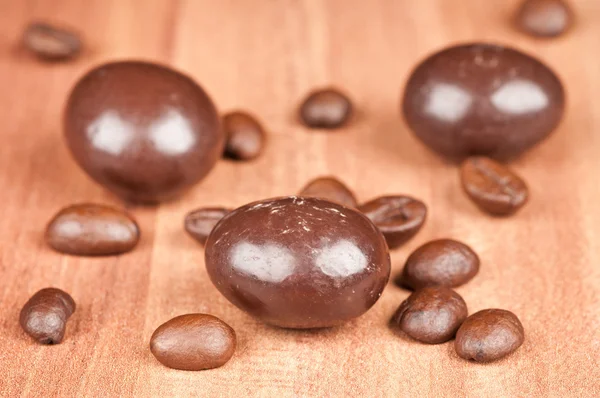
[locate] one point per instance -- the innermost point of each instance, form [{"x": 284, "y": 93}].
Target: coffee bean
[
  {"x": 245, "y": 137},
  {"x": 544, "y": 18},
  {"x": 44, "y": 316},
  {"x": 329, "y": 188},
  {"x": 199, "y": 223},
  {"x": 92, "y": 230},
  {"x": 443, "y": 262},
  {"x": 144, "y": 131},
  {"x": 193, "y": 342},
  {"x": 493, "y": 187},
  {"x": 51, "y": 42},
  {"x": 489, "y": 335},
  {"x": 326, "y": 108},
  {"x": 431, "y": 315},
  {"x": 482, "y": 99},
  {"x": 398, "y": 217},
  {"x": 298, "y": 262}
]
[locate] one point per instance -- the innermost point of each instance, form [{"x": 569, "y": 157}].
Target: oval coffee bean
[
  {"x": 199, "y": 223},
  {"x": 493, "y": 187},
  {"x": 329, "y": 188},
  {"x": 51, "y": 42},
  {"x": 245, "y": 136},
  {"x": 544, "y": 18},
  {"x": 431, "y": 315},
  {"x": 193, "y": 342},
  {"x": 92, "y": 230},
  {"x": 326, "y": 108},
  {"x": 44, "y": 316},
  {"x": 443, "y": 262},
  {"x": 489, "y": 335},
  {"x": 398, "y": 217}
]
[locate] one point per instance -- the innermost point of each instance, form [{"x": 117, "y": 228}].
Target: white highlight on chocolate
[
  {"x": 448, "y": 102},
  {"x": 269, "y": 263},
  {"x": 341, "y": 259}
]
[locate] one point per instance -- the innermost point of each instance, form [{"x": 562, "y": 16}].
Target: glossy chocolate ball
[
  {"x": 482, "y": 99},
  {"x": 298, "y": 262},
  {"x": 144, "y": 131}
]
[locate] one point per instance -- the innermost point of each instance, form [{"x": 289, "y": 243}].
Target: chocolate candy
[
  {"x": 193, "y": 342},
  {"x": 398, "y": 217},
  {"x": 482, "y": 99},
  {"x": 44, "y": 316},
  {"x": 329, "y": 188},
  {"x": 298, "y": 262},
  {"x": 92, "y": 230},
  {"x": 144, "y": 131}
]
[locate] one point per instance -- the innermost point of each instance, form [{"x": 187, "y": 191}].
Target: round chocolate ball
[
  {"x": 144, "y": 131},
  {"x": 298, "y": 262},
  {"x": 482, "y": 99}
]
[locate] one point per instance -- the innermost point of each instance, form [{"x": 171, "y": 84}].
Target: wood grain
[{"x": 261, "y": 55}]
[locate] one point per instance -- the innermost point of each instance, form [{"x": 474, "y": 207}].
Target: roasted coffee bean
[
  {"x": 44, "y": 316},
  {"x": 493, "y": 187},
  {"x": 51, "y": 42},
  {"x": 144, "y": 131},
  {"x": 431, "y": 315},
  {"x": 326, "y": 108},
  {"x": 544, "y": 18},
  {"x": 245, "y": 137},
  {"x": 298, "y": 262},
  {"x": 329, "y": 188},
  {"x": 92, "y": 230},
  {"x": 199, "y": 223},
  {"x": 398, "y": 217},
  {"x": 193, "y": 342},
  {"x": 482, "y": 99},
  {"x": 488, "y": 335},
  {"x": 443, "y": 262}
]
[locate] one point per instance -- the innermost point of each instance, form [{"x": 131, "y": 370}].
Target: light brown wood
[{"x": 263, "y": 56}]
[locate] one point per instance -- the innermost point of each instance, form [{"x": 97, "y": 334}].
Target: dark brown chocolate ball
[
  {"x": 298, "y": 262},
  {"x": 482, "y": 99},
  {"x": 144, "y": 131}
]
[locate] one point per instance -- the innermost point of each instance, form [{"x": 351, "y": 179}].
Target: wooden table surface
[{"x": 543, "y": 264}]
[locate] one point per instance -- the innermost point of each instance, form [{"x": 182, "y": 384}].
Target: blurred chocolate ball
[
  {"x": 143, "y": 131},
  {"x": 482, "y": 99}
]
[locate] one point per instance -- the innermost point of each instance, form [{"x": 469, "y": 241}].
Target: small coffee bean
[
  {"x": 329, "y": 188},
  {"x": 431, "y": 315},
  {"x": 488, "y": 335},
  {"x": 50, "y": 42},
  {"x": 92, "y": 230},
  {"x": 493, "y": 187},
  {"x": 193, "y": 342},
  {"x": 44, "y": 316},
  {"x": 544, "y": 18},
  {"x": 443, "y": 262},
  {"x": 326, "y": 108},
  {"x": 245, "y": 137},
  {"x": 398, "y": 217},
  {"x": 199, "y": 223}
]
